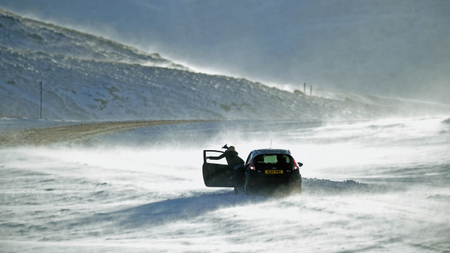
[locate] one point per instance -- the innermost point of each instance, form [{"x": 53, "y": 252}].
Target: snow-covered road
[{"x": 369, "y": 186}]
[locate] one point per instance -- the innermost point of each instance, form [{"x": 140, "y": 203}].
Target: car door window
[{"x": 214, "y": 153}]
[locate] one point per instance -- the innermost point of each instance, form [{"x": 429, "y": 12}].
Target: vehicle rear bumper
[{"x": 257, "y": 182}]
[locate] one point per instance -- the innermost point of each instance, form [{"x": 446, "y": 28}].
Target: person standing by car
[{"x": 235, "y": 163}]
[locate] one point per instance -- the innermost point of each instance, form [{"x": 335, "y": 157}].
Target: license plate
[{"x": 274, "y": 171}]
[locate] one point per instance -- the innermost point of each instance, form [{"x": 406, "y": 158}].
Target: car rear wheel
[{"x": 247, "y": 190}]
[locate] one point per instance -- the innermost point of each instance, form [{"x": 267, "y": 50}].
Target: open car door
[{"x": 215, "y": 172}]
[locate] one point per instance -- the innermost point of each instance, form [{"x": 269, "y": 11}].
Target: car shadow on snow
[
  {"x": 183, "y": 209},
  {"x": 161, "y": 212}
]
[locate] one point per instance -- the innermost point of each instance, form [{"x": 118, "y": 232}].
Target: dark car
[{"x": 265, "y": 170}]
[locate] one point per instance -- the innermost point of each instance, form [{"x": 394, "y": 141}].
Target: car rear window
[{"x": 273, "y": 159}]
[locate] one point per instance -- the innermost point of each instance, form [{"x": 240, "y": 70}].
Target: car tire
[{"x": 247, "y": 191}]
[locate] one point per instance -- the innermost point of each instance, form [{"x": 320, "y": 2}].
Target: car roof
[{"x": 271, "y": 151}]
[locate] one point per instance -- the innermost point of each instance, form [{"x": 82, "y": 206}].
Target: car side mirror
[{"x": 300, "y": 164}]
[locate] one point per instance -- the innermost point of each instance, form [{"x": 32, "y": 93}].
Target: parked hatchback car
[{"x": 265, "y": 170}]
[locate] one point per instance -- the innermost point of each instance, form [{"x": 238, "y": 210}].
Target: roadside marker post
[{"x": 40, "y": 108}]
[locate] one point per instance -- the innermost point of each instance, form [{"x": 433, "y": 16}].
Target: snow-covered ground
[{"x": 375, "y": 186}]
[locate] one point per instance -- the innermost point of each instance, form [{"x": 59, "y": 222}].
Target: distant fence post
[{"x": 40, "y": 108}]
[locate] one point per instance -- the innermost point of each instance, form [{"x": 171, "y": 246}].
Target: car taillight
[
  {"x": 295, "y": 167},
  {"x": 251, "y": 165}
]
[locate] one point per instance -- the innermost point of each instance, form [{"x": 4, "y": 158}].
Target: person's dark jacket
[{"x": 232, "y": 158}]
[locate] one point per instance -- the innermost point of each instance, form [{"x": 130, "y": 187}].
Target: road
[{"x": 78, "y": 132}]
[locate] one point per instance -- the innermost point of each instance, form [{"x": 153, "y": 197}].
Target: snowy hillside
[
  {"x": 382, "y": 47},
  {"x": 89, "y": 77}
]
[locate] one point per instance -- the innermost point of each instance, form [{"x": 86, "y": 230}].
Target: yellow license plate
[{"x": 274, "y": 171}]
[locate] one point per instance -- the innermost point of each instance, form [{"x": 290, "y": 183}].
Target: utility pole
[
  {"x": 310, "y": 91},
  {"x": 40, "y": 110},
  {"x": 304, "y": 88}
]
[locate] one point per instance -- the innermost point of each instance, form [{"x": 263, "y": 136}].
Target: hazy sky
[{"x": 394, "y": 48}]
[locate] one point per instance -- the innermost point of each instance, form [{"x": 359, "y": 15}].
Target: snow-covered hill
[
  {"x": 382, "y": 47},
  {"x": 89, "y": 77}
]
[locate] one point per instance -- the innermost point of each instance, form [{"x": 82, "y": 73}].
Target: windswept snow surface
[
  {"x": 86, "y": 77},
  {"x": 374, "y": 186}
]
